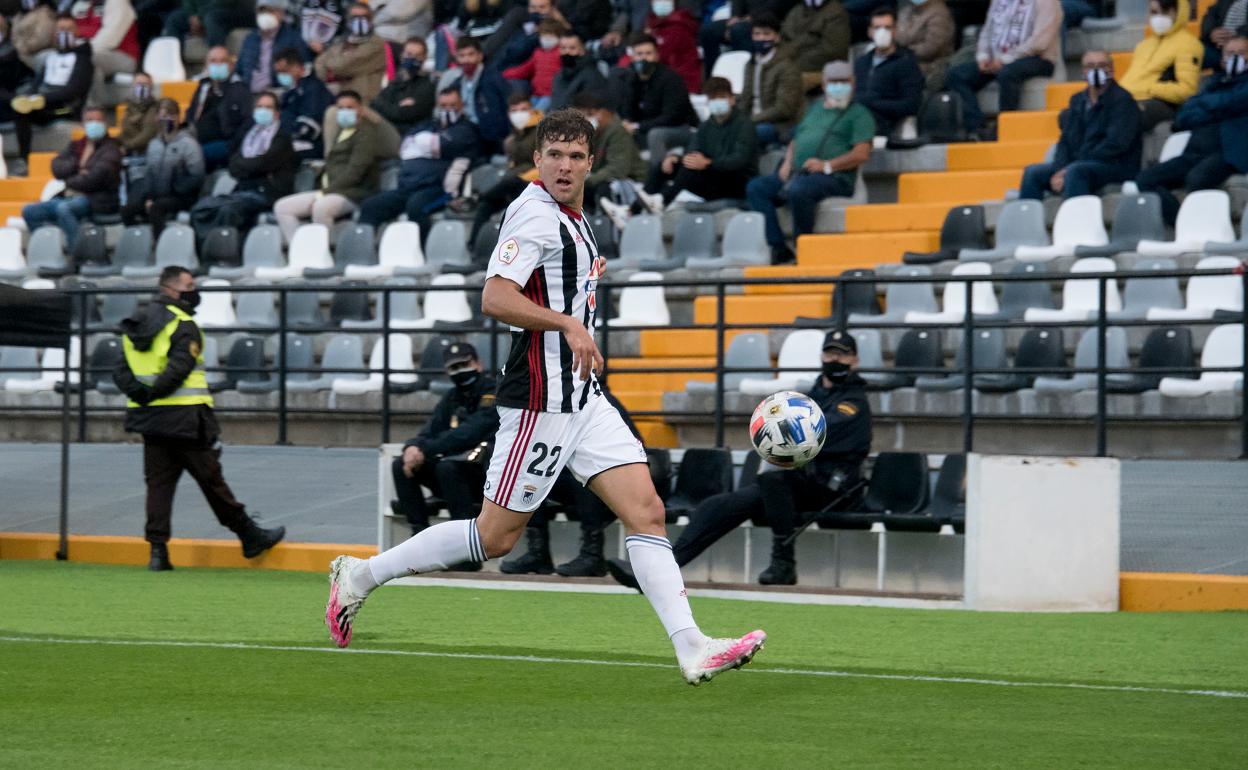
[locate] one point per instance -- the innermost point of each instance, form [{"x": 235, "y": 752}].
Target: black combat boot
[
  {"x": 256, "y": 540},
  {"x": 622, "y": 571},
  {"x": 536, "y": 560},
  {"x": 783, "y": 568},
  {"x": 159, "y": 561},
  {"x": 589, "y": 562}
]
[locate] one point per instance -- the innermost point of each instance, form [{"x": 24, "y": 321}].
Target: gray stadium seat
[
  {"x": 902, "y": 298},
  {"x": 1139, "y": 295},
  {"x": 1040, "y": 348},
  {"x": 350, "y": 305},
  {"x": 1167, "y": 347},
  {"x": 298, "y": 356},
  {"x": 356, "y": 245},
  {"x": 989, "y": 354},
  {"x": 1085, "y": 357},
  {"x": 605, "y": 235},
  {"x": 1017, "y": 297},
  {"x": 134, "y": 249},
  {"x": 745, "y": 350},
  {"x": 1136, "y": 218},
  {"x": 262, "y": 248},
  {"x": 221, "y": 247},
  {"x": 17, "y": 358},
  {"x": 245, "y": 361},
  {"x": 303, "y": 308},
  {"x": 343, "y": 351},
  {"x": 256, "y": 309},
  {"x": 90, "y": 246},
  {"x": 918, "y": 349},
  {"x": 176, "y": 246},
  {"x": 693, "y": 245},
  {"x": 434, "y": 377},
  {"x": 106, "y": 354},
  {"x": 45, "y": 253},
  {"x": 1021, "y": 223},
  {"x": 642, "y": 241},
  {"x": 217, "y": 380},
  {"x": 870, "y": 355},
  {"x": 447, "y": 244},
  {"x": 744, "y": 244}
]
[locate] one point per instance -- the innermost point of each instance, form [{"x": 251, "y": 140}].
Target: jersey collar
[{"x": 570, "y": 212}]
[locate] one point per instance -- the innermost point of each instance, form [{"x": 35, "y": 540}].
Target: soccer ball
[{"x": 787, "y": 429}]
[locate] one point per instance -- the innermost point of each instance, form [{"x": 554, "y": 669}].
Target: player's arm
[{"x": 501, "y": 299}]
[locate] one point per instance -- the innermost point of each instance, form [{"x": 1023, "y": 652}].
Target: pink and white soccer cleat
[
  {"x": 343, "y": 604},
  {"x": 722, "y": 655}
]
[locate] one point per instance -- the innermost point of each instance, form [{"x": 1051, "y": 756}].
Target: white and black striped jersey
[{"x": 548, "y": 250}]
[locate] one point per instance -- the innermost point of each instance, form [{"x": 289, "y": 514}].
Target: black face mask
[
  {"x": 189, "y": 298},
  {"x": 835, "y": 371},
  {"x": 465, "y": 379},
  {"x": 645, "y": 68},
  {"x": 763, "y": 47},
  {"x": 568, "y": 61}
]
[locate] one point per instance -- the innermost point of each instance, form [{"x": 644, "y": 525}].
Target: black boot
[
  {"x": 783, "y": 568},
  {"x": 622, "y": 571},
  {"x": 588, "y": 563},
  {"x": 159, "y": 561},
  {"x": 536, "y": 560},
  {"x": 256, "y": 540}
]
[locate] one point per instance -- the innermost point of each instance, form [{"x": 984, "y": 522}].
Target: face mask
[
  {"x": 519, "y": 119},
  {"x": 447, "y": 117},
  {"x": 1161, "y": 24},
  {"x": 142, "y": 93},
  {"x": 814, "y": 3},
  {"x": 882, "y": 37},
  {"x": 1097, "y": 77},
  {"x": 263, "y": 116},
  {"x": 95, "y": 129},
  {"x": 548, "y": 41},
  {"x": 360, "y": 26},
  {"x": 468, "y": 69},
  {"x": 838, "y": 93},
  {"x": 219, "y": 71},
  {"x": 763, "y": 47},
  {"x": 593, "y": 121},
  {"x": 190, "y": 298},
  {"x": 644, "y": 68},
  {"x": 569, "y": 61},
  {"x": 346, "y": 118},
  {"x": 1234, "y": 65},
  {"x": 835, "y": 370},
  {"x": 718, "y": 107},
  {"x": 285, "y": 80},
  {"x": 64, "y": 40},
  {"x": 663, "y": 7},
  {"x": 918, "y": 2},
  {"x": 465, "y": 379},
  {"x": 168, "y": 125},
  {"x": 267, "y": 22},
  {"x": 534, "y": 18},
  {"x": 412, "y": 66}
]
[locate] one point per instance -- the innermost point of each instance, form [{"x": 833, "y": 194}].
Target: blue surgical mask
[
  {"x": 718, "y": 107},
  {"x": 347, "y": 118},
  {"x": 838, "y": 92},
  {"x": 219, "y": 71},
  {"x": 95, "y": 130},
  {"x": 263, "y": 116},
  {"x": 285, "y": 80},
  {"x": 918, "y": 2},
  {"x": 663, "y": 7}
]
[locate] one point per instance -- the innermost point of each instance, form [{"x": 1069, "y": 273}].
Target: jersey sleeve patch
[
  {"x": 508, "y": 251},
  {"x": 847, "y": 409}
]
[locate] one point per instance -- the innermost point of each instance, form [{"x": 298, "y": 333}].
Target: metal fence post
[
  {"x": 720, "y": 302},
  {"x": 968, "y": 370},
  {"x": 281, "y": 367},
  {"x": 1243, "y": 401},
  {"x": 385, "y": 364},
  {"x": 82, "y": 364},
  {"x": 1101, "y": 358}
]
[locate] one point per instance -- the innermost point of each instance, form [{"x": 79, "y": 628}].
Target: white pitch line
[{"x": 628, "y": 664}]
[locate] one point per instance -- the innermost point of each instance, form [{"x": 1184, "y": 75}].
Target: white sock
[
  {"x": 435, "y": 548},
  {"x": 661, "y": 582}
]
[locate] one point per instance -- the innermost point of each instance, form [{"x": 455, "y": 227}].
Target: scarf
[
  {"x": 1012, "y": 21},
  {"x": 258, "y": 139}
]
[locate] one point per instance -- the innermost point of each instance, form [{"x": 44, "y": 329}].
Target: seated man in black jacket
[
  {"x": 303, "y": 104},
  {"x": 220, "y": 109},
  {"x": 782, "y": 496},
  {"x": 408, "y": 99},
  {"x": 61, "y": 85},
  {"x": 450, "y": 455},
  {"x": 655, "y": 101},
  {"x": 888, "y": 79}
]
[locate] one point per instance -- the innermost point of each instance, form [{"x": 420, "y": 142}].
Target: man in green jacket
[
  {"x": 814, "y": 33},
  {"x": 616, "y": 157},
  {"x": 772, "y": 92}
]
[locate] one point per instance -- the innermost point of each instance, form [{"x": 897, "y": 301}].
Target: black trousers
[
  {"x": 570, "y": 493},
  {"x": 1191, "y": 171},
  {"x": 495, "y": 200},
  {"x": 23, "y": 126},
  {"x": 458, "y": 482},
  {"x": 707, "y": 183},
  {"x": 163, "y": 208},
  {"x": 163, "y": 463}
]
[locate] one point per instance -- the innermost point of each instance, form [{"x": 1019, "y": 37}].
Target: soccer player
[{"x": 542, "y": 280}]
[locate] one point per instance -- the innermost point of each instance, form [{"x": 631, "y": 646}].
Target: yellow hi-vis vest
[{"x": 148, "y": 364}]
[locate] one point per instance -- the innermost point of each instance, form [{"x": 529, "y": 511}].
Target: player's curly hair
[{"x": 565, "y": 125}]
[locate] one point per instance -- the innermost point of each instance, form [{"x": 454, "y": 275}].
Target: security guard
[
  {"x": 162, "y": 375},
  {"x": 781, "y": 496},
  {"x": 451, "y": 454}
]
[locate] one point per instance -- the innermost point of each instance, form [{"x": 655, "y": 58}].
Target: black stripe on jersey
[
  {"x": 523, "y": 384},
  {"x": 592, "y": 246},
  {"x": 541, "y": 298},
  {"x": 569, "y": 299}
]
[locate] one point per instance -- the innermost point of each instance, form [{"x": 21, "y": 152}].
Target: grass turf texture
[{"x": 95, "y": 705}]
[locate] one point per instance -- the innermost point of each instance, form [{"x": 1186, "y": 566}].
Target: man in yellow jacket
[
  {"x": 1165, "y": 67},
  {"x": 162, "y": 375}
]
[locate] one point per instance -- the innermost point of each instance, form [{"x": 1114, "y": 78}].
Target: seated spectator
[
  {"x": 139, "y": 124},
  {"x": 1225, "y": 20},
  {"x": 1218, "y": 120},
  {"x": 1101, "y": 139},
  {"x": 927, "y": 29},
  {"x": 675, "y": 34},
  {"x": 516, "y": 36},
  {"x": 320, "y": 21},
  {"x": 356, "y": 60},
  {"x": 272, "y": 36},
  {"x": 629, "y": 17},
  {"x": 831, "y": 142},
  {"x": 887, "y": 78},
  {"x": 814, "y": 33},
  {"x": 352, "y": 172},
  {"x": 1019, "y": 40},
  {"x": 577, "y": 74},
  {"x": 540, "y": 68},
  {"x": 60, "y": 88},
  {"x": 655, "y": 103},
  {"x": 210, "y": 19},
  {"x": 219, "y": 109},
  {"x": 831, "y": 480},
  {"x": 304, "y": 101},
  {"x": 484, "y": 90},
  {"x": 1165, "y": 67},
  {"x": 426, "y": 155},
  {"x": 262, "y": 161},
  {"x": 733, "y": 32},
  {"x": 409, "y": 97},
  {"x": 588, "y": 19},
  {"x": 91, "y": 170},
  {"x": 34, "y": 31},
  {"x": 151, "y": 18},
  {"x": 14, "y": 74},
  {"x": 519, "y": 146},
  {"x": 173, "y": 174},
  {"x": 397, "y": 20},
  {"x": 114, "y": 35},
  {"x": 772, "y": 93},
  {"x": 616, "y": 158},
  {"x": 479, "y": 18}
]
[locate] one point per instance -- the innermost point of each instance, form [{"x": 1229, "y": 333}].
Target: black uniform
[{"x": 455, "y": 460}]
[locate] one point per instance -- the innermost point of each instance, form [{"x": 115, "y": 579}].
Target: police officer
[
  {"x": 781, "y": 496},
  {"x": 162, "y": 375},
  {"x": 451, "y": 454}
]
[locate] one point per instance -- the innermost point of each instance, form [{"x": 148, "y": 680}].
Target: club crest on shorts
[
  {"x": 529, "y": 491},
  {"x": 508, "y": 252}
]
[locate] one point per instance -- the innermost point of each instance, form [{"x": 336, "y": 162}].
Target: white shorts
[{"x": 532, "y": 448}]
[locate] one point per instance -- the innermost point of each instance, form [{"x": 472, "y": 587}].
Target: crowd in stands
[{"x": 430, "y": 90}]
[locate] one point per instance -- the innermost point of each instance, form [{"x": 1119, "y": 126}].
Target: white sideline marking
[{"x": 627, "y": 664}]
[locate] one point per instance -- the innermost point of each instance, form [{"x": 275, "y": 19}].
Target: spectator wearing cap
[
  {"x": 831, "y": 142},
  {"x": 451, "y": 454},
  {"x": 272, "y": 36},
  {"x": 888, "y": 79},
  {"x": 831, "y": 479}
]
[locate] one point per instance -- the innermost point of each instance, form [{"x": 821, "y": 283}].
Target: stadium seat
[
  {"x": 134, "y": 249},
  {"x": 1080, "y": 299},
  {"x": 17, "y": 358},
  {"x": 1136, "y": 218},
  {"x": 703, "y": 472},
  {"x": 342, "y": 351},
  {"x": 114, "y": 308},
  {"x": 605, "y": 235},
  {"x": 1169, "y": 347},
  {"x": 356, "y": 245},
  {"x": 798, "y": 364},
  {"x": 948, "y": 504},
  {"x": 434, "y": 375},
  {"x": 963, "y": 228},
  {"x": 217, "y": 378},
  {"x": 1139, "y": 295},
  {"x": 399, "y": 253},
  {"x": 51, "y": 189},
  {"x": 39, "y": 284},
  {"x": 1204, "y": 216},
  {"x": 350, "y": 309},
  {"x": 12, "y": 261},
  {"x": 76, "y": 306},
  {"x": 303, "y": 308},
  {"x": 176, "y": 246},
  {"x": 1237, "y": 247},
  {"x": 404, "y": 308},
  {"x": 449, "y": 307},
  {"x": 1223, "y": 348},
  {"x": 896, "y": 496},
  {"x": 45, "y": 252},
  {"x": 309, "y": 248},
  {"x": 1080, "y": 222},
  {"x": 1207, "y": 294},
  {"x": 1017, "y": 297},
  {"x": 901, "y": 299},
  {"x": 693, "y": 245},
  {"x": 261, "y": 249},
  {"x": 744, "y": 243},
  {"x": 222, "y": 247},
  {"x": 870, "y": 356},
  {"x": 989, "y": 354},
  {"x": 917, "y": 349},
  {"x": 53, "y": 365},
  {"x": 746, "y": 350},
  {"x": 244, "y": 362},
  {"x": 1020, "y": 223},
  {"x": 953, "y": 300},
  {"x": 642, "y": 305},
  {"x": 860, "y": 298},
  {"x": 750, "y": 468},
  {"x": 163, "y": 60},
  {"x": 90, "y": 246},
  {"x": 642, "y": 241},
  {"x": 258, "y": 310},
  {"x": 104, "y": 357},
  {"x": 298, "y": 356},
  {"x": 1086, "y": 358},
  {"x": 447, "y": 245},
  {"x": 940, "y": 119},
  {"x": 1174, "y": 146},
  {"x": 402, "y": 376},
  {"x": 660, "y": 463},
  {"x": 217, "y": 307},
  {"x": 1040, "y": 348},
  {"x": 731, "y": 65}
]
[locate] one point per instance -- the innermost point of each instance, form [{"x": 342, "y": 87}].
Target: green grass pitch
[{"x": 185, "y": 697}]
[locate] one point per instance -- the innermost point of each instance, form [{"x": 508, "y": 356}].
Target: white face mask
[
  {"x": 519, "y": 118},
  {"x": 549, "y": 41},
  {"x": 1160, "y": 23},
  {"x": 593, "y": 121},
  {"x": 882, "y": 37},
  {"x": 718, "y": 107},
  {"x": 267, "y": 22}
]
